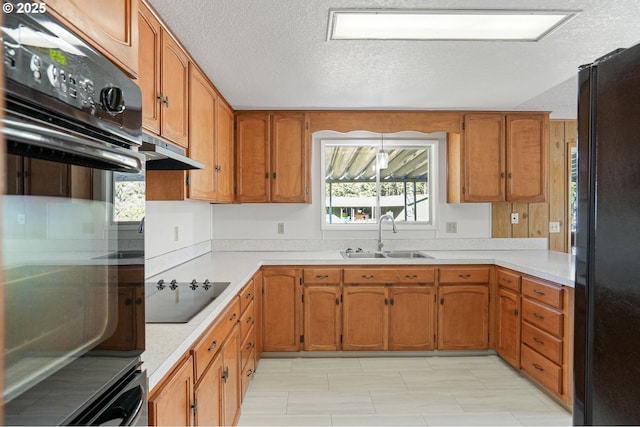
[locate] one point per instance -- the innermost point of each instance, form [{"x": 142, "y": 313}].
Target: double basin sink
[{"x": 384, "y": 254}]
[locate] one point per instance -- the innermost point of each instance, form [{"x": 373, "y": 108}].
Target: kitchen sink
[
  {"x": 406, "y": 254},
  {"x": 363, "y": 254},
  {"x": 384, "y": 254}
]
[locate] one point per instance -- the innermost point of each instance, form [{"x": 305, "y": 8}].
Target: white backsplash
[{"x": 371, "y": 244}]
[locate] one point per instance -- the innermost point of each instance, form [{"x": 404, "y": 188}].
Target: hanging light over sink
[{"x": 382, "y": 158}]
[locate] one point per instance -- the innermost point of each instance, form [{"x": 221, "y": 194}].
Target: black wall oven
[{"x": 73, "y": 232}]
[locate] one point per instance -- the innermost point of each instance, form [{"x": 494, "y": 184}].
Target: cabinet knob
[
  {"x": 515, "y": 312},
  {"x": 502, "y": 175}
]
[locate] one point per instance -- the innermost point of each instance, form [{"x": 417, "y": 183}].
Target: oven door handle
[
  {"x": 128, "y": 408},
  {"x": 114, "y": 157}
]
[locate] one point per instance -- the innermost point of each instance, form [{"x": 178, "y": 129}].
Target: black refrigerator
[{"x": 607, "y": 293}]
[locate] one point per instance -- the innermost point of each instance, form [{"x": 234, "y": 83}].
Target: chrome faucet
[{"x": 382, "y": 218}]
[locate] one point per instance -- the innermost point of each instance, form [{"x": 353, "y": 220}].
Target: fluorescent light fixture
[{"x": 437, "y": 24}]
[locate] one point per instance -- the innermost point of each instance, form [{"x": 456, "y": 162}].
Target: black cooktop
[{"x": 178, "y": 302}]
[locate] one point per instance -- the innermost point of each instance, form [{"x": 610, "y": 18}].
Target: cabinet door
[
  {"x": 484, "y": 158},
  {"x": 174, "y": 74},
  {"x": 411, "y": 318},
  {"x": 202, "y": 105},
  {"x": 366, "y": 317},
  {"x": 253, "y": 158},
  {"x": 208, "y": 394},
  {"x": 322, "y": 317},
  {"x": 527, "y": 157},
  {"x": 231, "y": 378},
  {"x": 508, "y": 327},
  {"x": 111, "y": 25},
  {"x": 224, "y": 152},
  {"x": 463, "y": 317},
  {"x": 289, "y": 158},
  {"x": 281, "y": 305},
  {"x": 172, "y": 405},
  {"x": 149, "y": 65}
]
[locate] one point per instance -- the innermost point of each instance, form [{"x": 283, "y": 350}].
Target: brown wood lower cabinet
[
  {"x": 173, "y": 403},
  {"x": 411, "y": 318},
  {"x": 322, "y": 317},
  {"x": 281, "y": 309},
  {"x": 366, "y": 318},
  {"x": 463, "y": 317}
]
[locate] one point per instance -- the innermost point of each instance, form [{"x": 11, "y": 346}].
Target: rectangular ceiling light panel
[{"x": 427, "y": 24}]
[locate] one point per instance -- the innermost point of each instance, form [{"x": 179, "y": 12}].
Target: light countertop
[{"x": 166, "y": 343}]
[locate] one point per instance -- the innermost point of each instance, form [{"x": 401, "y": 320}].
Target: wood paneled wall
[{"x": 534, "y": 218}]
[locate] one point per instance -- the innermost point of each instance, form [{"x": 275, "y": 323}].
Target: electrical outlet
[
  {"x": 281, "y": 228},
  {"x": 452, "y": 227},
  {"x": 515, "y": 217},
  {"x": 176, "y": 233},
  {"x": 22, "y": 219},
  {"x": 554, "y": 227}
]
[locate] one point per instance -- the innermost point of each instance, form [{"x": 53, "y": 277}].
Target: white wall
[
  {"x": 302, "y": 221},
  {"x": 192, "y": 219}
]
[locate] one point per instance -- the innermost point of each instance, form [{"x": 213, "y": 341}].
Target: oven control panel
[{"x": 43, "y": 58}]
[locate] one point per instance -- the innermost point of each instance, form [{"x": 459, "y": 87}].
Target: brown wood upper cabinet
[
  {"x": 273, "y": 153},
  {"x": 163, "y": 79},
  {"x": 211, "y": 141},
  {"x": 500, "y": 157},
  {"x": 110, "y": 26}
]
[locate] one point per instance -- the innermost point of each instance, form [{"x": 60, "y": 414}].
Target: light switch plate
[
  {"x": 554, "y": 227},
  {"x": 281, "y": 228},
  {"x": 452, "y": 227}
]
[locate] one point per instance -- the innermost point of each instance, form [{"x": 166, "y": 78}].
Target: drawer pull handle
[
  {"x": 322, "y": 276},
  {"x": 249, "y": 296},
  {"x": 464, "y": 276},
  {"x": 214, "y": 344},
  {"x": 250, "y": 372},
  {"x": 538, "y": 367},
  {"x": 368, "y": 276},
  {"x": 504, "y": 279},
  {"x": 411, "y": 276},
  {"x": 538, "y": 341},
  {"x": 515, "y": 312},
  {"x": 250, "y": 320},
  {"x": 538, "y": 315},
  {"x": 249, "y": 346},
  {"x": 232, "y": 318},
  {"x": 535, "y": 291}
]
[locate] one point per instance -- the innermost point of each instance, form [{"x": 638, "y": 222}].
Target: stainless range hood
[{"x": 161, "y": 155}]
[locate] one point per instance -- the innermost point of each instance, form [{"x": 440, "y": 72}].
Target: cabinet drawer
[
  {"x": 544, "y": 318},
  {"x": 247, "y": 320},
  {"x": 248, "y": 346},
  {"x": 210, "y": 343},
  {"x": 247, "y": 374},
  {"x": 318, "y": 276},
  {"x": 247, "y": 295},
  {"x": 464, "y": 275},
  {"x": 416, "y": 275},
  {"x": 543, "y": 292},
  {"x": 508, "y": 279},
  {"x": 545, "y": 344},
  {"x": 541, "y": 369},
  {"x": 370, "y": 275}
]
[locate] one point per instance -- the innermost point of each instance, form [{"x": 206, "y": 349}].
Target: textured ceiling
[{"x": 274, "y": 54}]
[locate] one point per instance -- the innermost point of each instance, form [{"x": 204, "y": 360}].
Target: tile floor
[{"x": 398, "y": 391}]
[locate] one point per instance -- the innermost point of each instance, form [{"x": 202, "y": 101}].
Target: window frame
[{"x": 389, "y": 142}]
